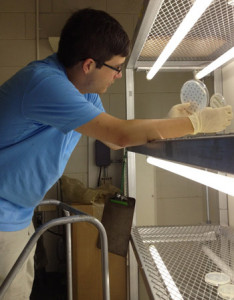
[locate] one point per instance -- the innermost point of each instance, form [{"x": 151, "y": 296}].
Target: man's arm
[{"x": 117, "y": 133}]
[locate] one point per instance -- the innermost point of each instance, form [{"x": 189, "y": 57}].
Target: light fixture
[
  {"x": 190, "y": 19},
  {"x": 231, "y": 2},
  {"x": 216, "y": 63},
  {"x": 219, "y": 182},
  {"x": 168, "y": 280}
]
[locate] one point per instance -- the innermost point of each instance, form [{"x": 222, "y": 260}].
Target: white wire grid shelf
[
  {"x": 211, "y": 36},
  {"x": 175, "y": 260}
]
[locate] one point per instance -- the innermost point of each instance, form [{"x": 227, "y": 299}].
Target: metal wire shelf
[
  {"x": 210, "y": 37},
  {"x": 175, "y": 260}
]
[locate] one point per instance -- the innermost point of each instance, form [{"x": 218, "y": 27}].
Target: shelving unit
[
  {"x": 209, "y": 152},
  {"x": 210, "y": 37}
]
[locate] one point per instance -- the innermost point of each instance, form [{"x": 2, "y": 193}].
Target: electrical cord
[{"x": 99, "y": 176}]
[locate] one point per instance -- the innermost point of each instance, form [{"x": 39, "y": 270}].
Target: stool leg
[
  {"x": 63, "y": 221},
  {"x": 69, "y": 258}
]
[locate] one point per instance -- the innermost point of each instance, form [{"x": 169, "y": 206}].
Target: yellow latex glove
[
  {"x": 209, "y": 120},
  {"x": 179, "y": 111}
]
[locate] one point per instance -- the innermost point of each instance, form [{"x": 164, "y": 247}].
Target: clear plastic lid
[
  {"x": 217, "y": 100},
  {"x": 217, "y": 278},
  {"x": 226, "y": 291}
]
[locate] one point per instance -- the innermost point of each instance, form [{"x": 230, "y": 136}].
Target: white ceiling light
[
  {"x": 219, "y": 182},
  {"x": 190, "y": 19},
  {"x": 216, "y": 64},
  {"x": 231, "y": 2},
  {"x": 168, "y": 280}
]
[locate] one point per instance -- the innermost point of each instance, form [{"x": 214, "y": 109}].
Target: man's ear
[{"x": 88, "y": 65}]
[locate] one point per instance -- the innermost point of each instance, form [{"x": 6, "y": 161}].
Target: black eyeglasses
[{"x": 118, "y": 70}]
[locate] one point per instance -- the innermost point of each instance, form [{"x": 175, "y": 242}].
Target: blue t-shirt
[{"x": 39, "y": 110}]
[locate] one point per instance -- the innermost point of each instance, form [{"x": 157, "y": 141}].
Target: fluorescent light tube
[
  {"x": 219, "y": 182},
  {"x": 216, "y": 63},
  {"x": 168, "y": 280},
  {"x": 190, "y": 19}
]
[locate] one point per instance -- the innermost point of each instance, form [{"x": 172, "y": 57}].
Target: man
[{"x": 48, "y": 105}]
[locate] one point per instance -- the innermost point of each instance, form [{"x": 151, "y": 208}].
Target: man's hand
[
  {"x": 179, "y": 111},
  {"x": 209, "y": 120}
]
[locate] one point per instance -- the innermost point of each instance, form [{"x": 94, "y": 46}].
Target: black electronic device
[{"x": 102, "y": 154}]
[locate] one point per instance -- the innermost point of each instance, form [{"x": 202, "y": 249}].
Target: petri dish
[
  {"x": 217, "y": 100},
  {"x": 196, "y": 93},
  {"x": 226, "y": 291},
  {"x": 217, "y": 278}
]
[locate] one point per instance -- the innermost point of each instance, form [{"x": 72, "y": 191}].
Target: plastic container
[
  {"x": 217, "y": 278},
  {"x": 226, "y": 291},
  {"x": 196, "y": 93}
]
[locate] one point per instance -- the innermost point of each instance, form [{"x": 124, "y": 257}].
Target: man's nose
[{"x": 119, "y": 75}]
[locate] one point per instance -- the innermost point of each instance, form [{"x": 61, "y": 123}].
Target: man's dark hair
[{"x": 91, "y": 33}]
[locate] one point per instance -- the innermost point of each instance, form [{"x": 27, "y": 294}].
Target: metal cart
[{"x": 77, "y": 216}]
